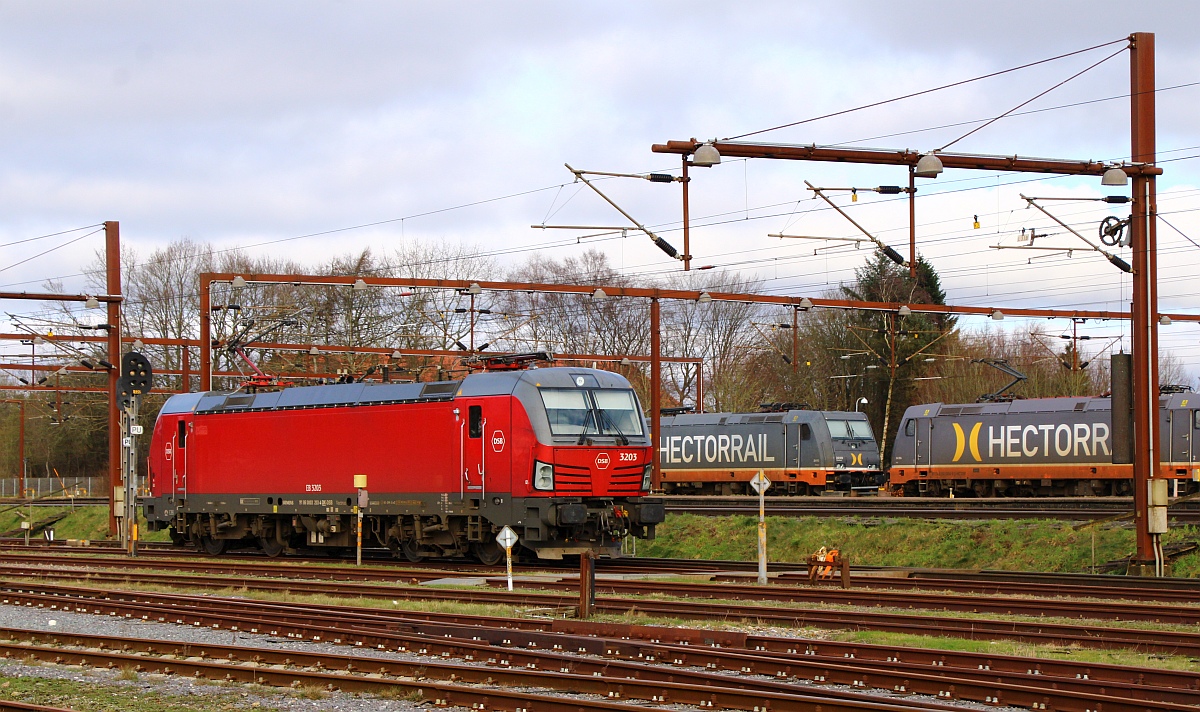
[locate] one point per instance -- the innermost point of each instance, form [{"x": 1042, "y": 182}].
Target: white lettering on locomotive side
[
  {"x": 994, "y": 441},
  {"x": 1082, "y": 432},
  {"x": 1099, "y": 441},
  {"x": 1065, "y": 448},
  {"x": 1063, "y": 440},
  {"x": 677, "y": 449},
  {"x": 1011, "y": 440},
  {"x": 1025, "y": 449},
  {"x": 751, "y": 452}
]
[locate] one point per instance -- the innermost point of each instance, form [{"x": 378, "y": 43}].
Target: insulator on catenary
[
  {"x": 1120, "y": 263},
  {"x": 666, "y": 247},
  {"x": 893, "y": 255}
]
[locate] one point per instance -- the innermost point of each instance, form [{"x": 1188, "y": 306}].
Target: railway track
[
  {"x": 13, "y": 706},
  {"x": 787, "y": 606},
  {"x": 386, "y": 569},
  {"x": 54, "y": 501},
  {"x": 1183, "y": 610},
  {"x": 621, "y": 662},
  {"x": 1066, "y": 508},
  {"x": 1072, "y": 508}
]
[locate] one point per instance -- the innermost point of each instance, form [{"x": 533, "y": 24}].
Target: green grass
[
  {"x": 90, "y": 522},
  {"x": 1026, "y": 650},
  {"x": 95, "y": 696},
  {"x": 1013, "y": 545}
]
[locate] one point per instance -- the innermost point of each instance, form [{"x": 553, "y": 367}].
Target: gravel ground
[
  {"x": 254, "y": 696},
  {"x": 177, "y": 685}
]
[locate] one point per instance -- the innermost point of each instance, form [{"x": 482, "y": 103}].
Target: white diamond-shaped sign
[
  {"x": 507, "y": 538},
  {"x": 760, "y": 483}
]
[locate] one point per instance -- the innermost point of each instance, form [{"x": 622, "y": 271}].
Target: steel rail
[
  {"x": 874, "y": 597},
  {"x": 823, "y": 509},
  {"x": 439, "y": 693},
  {"x": 560, "y": 671},
  {"x": 14, "y": 706},
  {"x": 1026, "y": 687},
  {"x": 1171, "y": 642},
  {"x": 989, "y": 583},
  {"x": 1106, "y": 611}
]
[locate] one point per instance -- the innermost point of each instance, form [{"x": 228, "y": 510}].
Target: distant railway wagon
[
  {"x": 561, "y": 455},
  {"x": 1039, "y": 446},
  {"x": 800, "y": 451}
]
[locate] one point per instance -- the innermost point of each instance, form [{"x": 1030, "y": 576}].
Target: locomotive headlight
[
  {"x": 647, "y": 476},
  {"x": 543, "y": 476}
]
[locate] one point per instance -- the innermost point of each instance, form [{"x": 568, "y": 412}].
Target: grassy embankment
[
  {"x": 89, "y": 522},
  {"x": 1015, "y": 545}
]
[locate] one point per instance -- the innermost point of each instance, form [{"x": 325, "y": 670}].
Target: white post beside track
[
  {"x": 760, "y": 483},
  {"x": 507, "y": 538}
]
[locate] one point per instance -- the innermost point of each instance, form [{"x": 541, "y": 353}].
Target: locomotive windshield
[
  {"x": 846, "y": 429},
  {"x": 578, "y": 411}
]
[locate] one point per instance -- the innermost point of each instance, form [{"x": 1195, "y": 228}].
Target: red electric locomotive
[{"x": 559, "y": 454}]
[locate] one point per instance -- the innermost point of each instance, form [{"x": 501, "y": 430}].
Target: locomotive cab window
[
  {"x": 181, "y": 441},
  {"x": 569, "y": 411},
  {"x": 910, "y": 427},
  {"x": 592, "y": 412},
  {"x": 848, "y": 429},
  {"x": 805, "y": 431},
  {"x": 1196, "y": 417},
  {"x": 475, "y": 421},
  {"x": 619, "y": 413}
]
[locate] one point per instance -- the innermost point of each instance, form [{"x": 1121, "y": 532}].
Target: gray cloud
[{"x": 246, "y": 122}]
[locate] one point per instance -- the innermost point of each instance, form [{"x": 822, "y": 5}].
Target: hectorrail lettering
[
  {"x": 700, "y": 449},
  {"x": 1043, "y": 441}
]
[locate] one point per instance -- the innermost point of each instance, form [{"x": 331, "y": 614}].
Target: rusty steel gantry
[{"x": 1144, "y": 309}]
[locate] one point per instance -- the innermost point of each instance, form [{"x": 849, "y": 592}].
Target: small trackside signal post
[
  {"x": 135, "y": 381},
  {"x": 760, "y": 483},
  {"x": 360, "y": 483},
  {"x": 508, "y": 539}
]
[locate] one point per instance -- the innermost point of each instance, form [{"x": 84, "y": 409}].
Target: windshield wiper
[
  {"x": 604, "y": 414},
  {"x": 584, "y": 433}
]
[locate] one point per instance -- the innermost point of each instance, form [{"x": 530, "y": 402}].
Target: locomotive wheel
[
  {"x": 409, "y": 549},
  {"x": 211, "y": 546},
  {"x": 488, "y": 553},
  {"x": 270, "y": 547}
]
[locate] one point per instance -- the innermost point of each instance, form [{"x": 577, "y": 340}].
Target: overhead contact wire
[{"x": 927, "y": 91}]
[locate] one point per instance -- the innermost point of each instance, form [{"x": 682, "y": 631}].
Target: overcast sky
[{"x": 248, "y": 122}]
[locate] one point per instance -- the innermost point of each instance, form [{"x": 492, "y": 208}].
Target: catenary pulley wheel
[{"x": 1112, "y": 230}]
